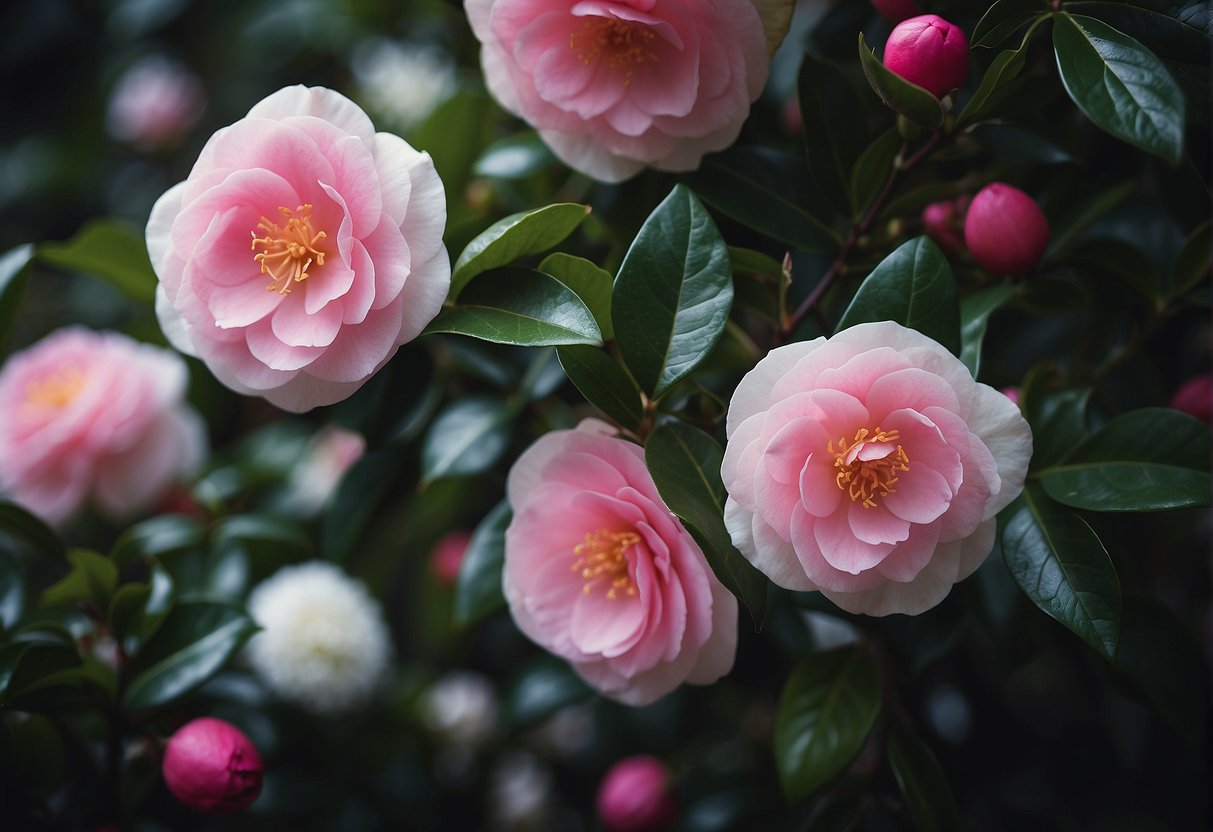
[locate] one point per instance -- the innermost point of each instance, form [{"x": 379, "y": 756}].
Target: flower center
[
  {"x": 626, "y": 44},
  {"x": 601, "y": 557},
  {"x": 55, "y": 391},
  {"x": 868, "y": 464},
  {"x": 287, "y": 252}
]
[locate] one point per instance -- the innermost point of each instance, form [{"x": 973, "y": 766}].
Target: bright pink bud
[
  {"x": 1195, "y": 397},
  {"x": 210, "y": 765},
  {"x": 944, "y": 223},
  {"x": 1011, "y": 393},
  {"x": 930, "y": 52},
  {"x": 896, "y": 11},
  {"x": 447, "y": 556},
  {"x": 635, "y": 796},
  {"x": 1005, "y": 230}
]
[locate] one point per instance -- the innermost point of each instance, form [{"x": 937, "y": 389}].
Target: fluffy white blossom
[
  {"x": 461, "y": 708},
  {"x": 403, "y": 83},
  {"x": 324, "y": 643}
]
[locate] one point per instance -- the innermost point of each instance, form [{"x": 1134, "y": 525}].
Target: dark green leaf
[
  {"x": 125, "y": 612},
  {"x": 1059, "y": 423},
  {"x": 157, "y": 537},
  {"x": 514, "y": 157},
  {"x": 518, "y": 235},
  {"x": 826, "y": 711},
  {"x": 14, "y": 276},
  {"x": 753, "y": 187},
  {"x": 541, "y": 691},
  {"x": 92, "y": 578},
  {"x": 975, "y": 312},
  {"x": 1120, "y": 85},
  {"x": 520, "y": 306},
  {"x": 923, "y": 784},
  {"x": 914, "y": 287},
  {"x": 898, "y": 94},
  {"x": 1163, "y": 663},
  {"x": 1151, "y": 459},
  {"x": 873, "y": 169},
  {"x": 592, "y": 285},
  {"x": 467, "y": 437},
  {"x": 12, "y": 591},
  {"x": 1111, "y": 256},
  {"x": 16, "y": 521},
  {"x": 1082, "y": 213},
  {"x": 24, "y": 665},
  {"x": 673, "y": 293},
  {"x": 265, "y": 534},
  {"x": 996, "y": 83},
  {"x": 1062, "y": 566},
  {"x": 362, "y": 490},
  {"x": 195, "y": 641},
  {"x": 1002, "y": 19},
  {"x": 685, "y": 465},
  {"x": 827, "y": 98},
  {"x": 478, "y": 588},
  {"x": 85, "y": 686},
  {"x": 109, "y": 249},
  {"x": 604, "y": 383},
  {"x": 1192, "y": 262}
]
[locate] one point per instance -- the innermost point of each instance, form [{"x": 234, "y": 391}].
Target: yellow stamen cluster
[
  {"x": 866, "y": 479},
  {"x": 288, "y": 251},
  {"x": 55, "y": 391},
  {"x": 627, "y": 44},
  {"x": 601, "y": 557}
]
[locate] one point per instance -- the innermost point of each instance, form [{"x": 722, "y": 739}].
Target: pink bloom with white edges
[
  {"x": 870, "y": 466},
  {"x": 94, "y": 416},
  {"x": 599, "y": 572},
  {"x": 613, "y": 86},
  {"x": 303, "y": 249}
]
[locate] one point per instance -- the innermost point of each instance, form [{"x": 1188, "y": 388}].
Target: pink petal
[
  {"x": 876, "y": 525},
  {"x": 295, "y": 327},
  {"x": 841, "y": 549},
  {"x": 911, "y": 555}
]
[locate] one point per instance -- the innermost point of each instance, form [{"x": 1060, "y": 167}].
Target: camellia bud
[
  {"x": 1195, "y": 397},
  {"x": 447, "y": 557},
  {"x": 896, "y": 11},
  {"x": 944, "y": 224},
  {"x": 930, "y": 52},
  {"x": 1005, "y": 230},
  {"x": 212, "y": 766},
  {"x": 1011, "y": 393},
  {"x": 635, "y": 796}
]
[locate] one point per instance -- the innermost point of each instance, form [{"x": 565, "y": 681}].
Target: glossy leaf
[
  {"x": 923, "y": 784},
  {"x": 975, "y": 312},
  {"x": 827, "y": 98},
  {"x": 265, "y": 533},
  {"x": 478, "y": 587},
  {"x": 112, "y": 250},
  {"x": 604, "y": 383},
  {"x": 1061, "y": 565},
  {"x": 26, "y": 664},
  {"x": 914, "y": 287},
  {"x": 685, "y": 465},
  {"x": 873, "y": 168},
  {"x": 1002, "y": 19},
  {"x": 157, "y": 537},
  {"x": 673, "y": 293},
  {"x": 14, "y": 277},
  {"x": 518, "y": 235},
  {"x": 1120, "y": 85},
  {"x": 996, "y": 84},
  {"x": 825, "y": 713},
  {"x": 514, "y": 157},
  {"x": 898, "y": 94},
  {"x": 1151, "y": 459},
  {"x": 542, "y": 690},
  {"x": 12, "y": 591},
  {"x": 519, "y": 306},
  {"x": 362, "y": 490},
  {"x": 591, "y": 283},
  {"x": 468, "y": 116},
  {"x": 467, "y": 437},
  {"x": 31, "y": 530},
  {"x": 1163, "y": 664},
  {"x": 93, "y": 578},
  {"x": 125, "y": 612},
  {"x": 1192, "y": 263},
  {"x": 1059, "y": 423},
  {"x": 193, "y": 644}
]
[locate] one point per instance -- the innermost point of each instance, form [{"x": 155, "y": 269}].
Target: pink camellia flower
[
  {"x": 1195, "y": 397},
  {"x": 599, "y": 572},
  {"x": 212, "y": 766},
  {"x": 930, "y": 52},
  {"x": 613, "y": 86},
  {"x": 870, "y": 466},
  {"x": 447, "y": 557},
  {"x": 154, "y": 104},
  {"x": 896, "y": 11},
  {"x": 1005, "y": 230},
  {"x": 94, "y": 416},
  {"x": 303, "y": 249},
  {"x": 635, "y": 796}
]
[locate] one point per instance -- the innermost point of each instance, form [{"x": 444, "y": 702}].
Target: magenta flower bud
[
  {"x": 1195, "y": 397},
  {"x": 210, "y": 765},
  {"x": 944, "y": 224},
  {"x": 896, "y": 11},
  {"x": 635, "y": 796},
  {"x": 930, "y": 52},
  {"x": 1005, "y": 230},
  {"x": 1011, "y": 393}
]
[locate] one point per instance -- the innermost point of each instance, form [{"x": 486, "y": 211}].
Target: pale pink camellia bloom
[
  {"x": 635, "y": 796},
  {"x": 94, "y": 416},
  {"x": 930, "y": 52},
  {"x": 599, "y": 572},
  {"x": 1005, "y": 230},
  {"x": 303, "y": 249},
  {"x": 614, "y": 86},
  {"x": 154, "y": 104},
  {"x": 870, "y": 466},
  {"x": 212, "y": 766}
]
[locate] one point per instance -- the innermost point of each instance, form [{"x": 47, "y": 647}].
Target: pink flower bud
[
  {"x": 635, "y": 796},
  {"x": 1011, "y": 393},
  {"x": 1195, "y": 397},
  {"x": 447, "y": 556},
  {"x": 1005, "y": 230},
  {"x": 210, "y": 765},
  {"x": 944, "y": 223},
  {"x": 896, "y": 11},
  {"x": 930, "y": 52}
]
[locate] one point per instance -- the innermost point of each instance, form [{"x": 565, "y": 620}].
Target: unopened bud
[
  {"x": 930, "y": 52},
  {"x": 635, "y": 796},
  {"x": 212, "y": 766},
  {"x": 1005, "y": 230},
  {"x": 1195, "y": 397},
  {"x": 944, "y": 224},
  {"x": 447, "y": 556},
  {"x": 896, "y": 11},
  {"x": 1011, "y": 393}
]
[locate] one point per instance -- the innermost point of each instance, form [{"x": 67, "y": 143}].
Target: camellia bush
[{"x": 617, "y": 414}]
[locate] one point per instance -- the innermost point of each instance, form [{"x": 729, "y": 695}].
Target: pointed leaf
[
  {"x": 517, "y": 235},
  {"x": 157, "y": 537},
  {"x": 996, "y": 84},
  {"x": 898, "y": 94},
  {"x": 872, "y": 169},
  {"x": 467, "y": 437},
  {"x": 112, "y": 250},
  {"x": 923, "y": 784},
  {"x": 14, "y": 277},
  {"x": 591, "y": 283},
  {"x": 478, "y": 587},
  {"x": 26, "y": 527},
  {"x": 827, "y": 98},
  {"x": 1192, "y": 262},
  {"x": 1002, "y": 19},
  {"x": 92, "y": 578},
  {"x": 975, "y": 312},
  {"x": 604, "y": 383}
]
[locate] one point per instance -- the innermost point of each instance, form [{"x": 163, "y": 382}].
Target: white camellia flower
[{"x": 324, "y": 643}]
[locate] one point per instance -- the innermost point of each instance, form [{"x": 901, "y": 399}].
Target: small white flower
[
  {"x": 403, "y": 83},
  {"x": 325, "y": 645},
  {"x": 521, "y": 792},
  {"x": 461, "y": 708}
]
